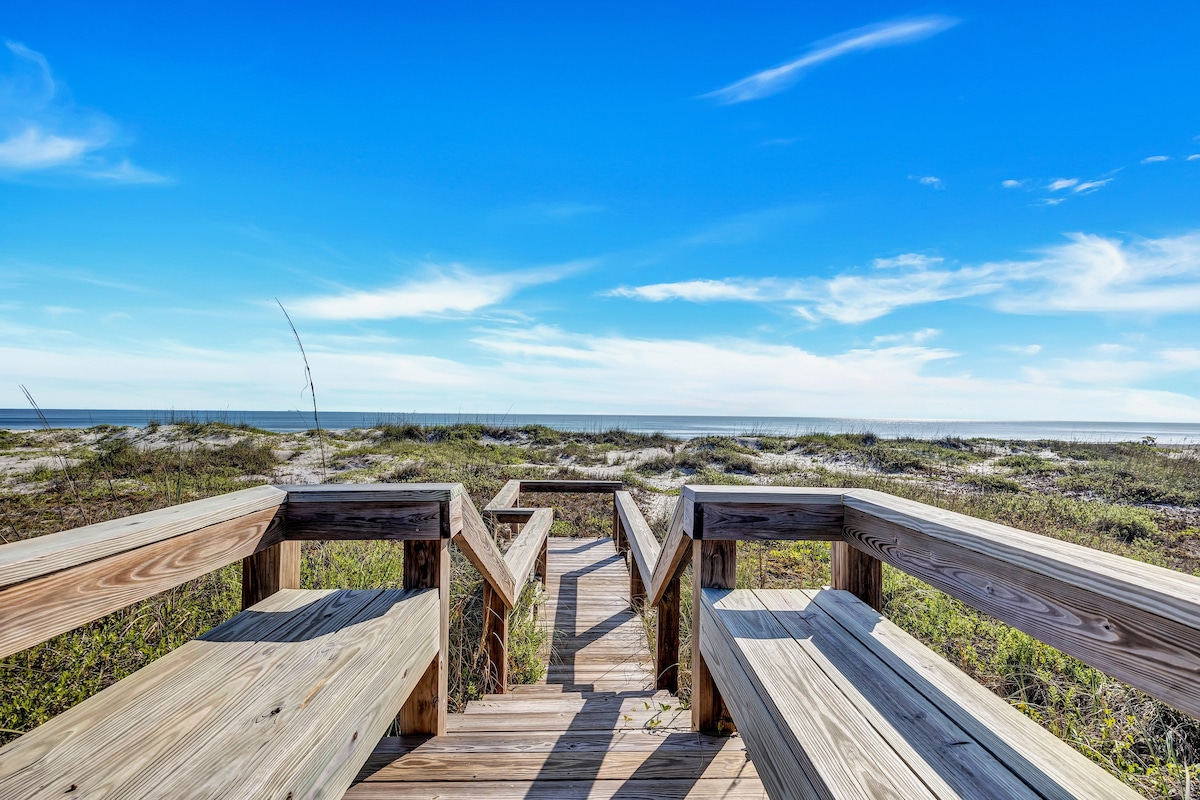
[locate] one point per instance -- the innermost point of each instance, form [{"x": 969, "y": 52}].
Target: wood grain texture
[
  {"x": 508, "y": 515},
  {"x": 714, "y": 566},
  {"x": 799, "y": 495},
  {"x": 506, "y": 497},
  {"x": 427, "y": 566},
  {"x": 394, "y": 520},
  {"x": 587, "y": 789},
  {"x": 1043, "y": 761},
  {"x": 858, "y": 573},
  {"x": 762, "y": 521},
  {"x": 38, "y": 609},
  {"x": 270, "y": 570},
  {"x": 1157, "y": 655},
  {"x": 523, "y": 553},
  {"x": 644, "y": 547},
  {"x": 577, "y": 487},
  {"x": 666, "y": 649},
  {"x": 378, "y": 492},
  {"x": 288, "y": 698},
  {"x": 43, "y": 555},
  {"x": 675, "y": 555},
  {"x": 495, "y": 641},
  {"x": 477, "y": 545}
]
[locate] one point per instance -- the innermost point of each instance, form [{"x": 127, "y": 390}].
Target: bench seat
[
  {"x": 834, "y": 701},
  {"x": 286, "y": 700}
]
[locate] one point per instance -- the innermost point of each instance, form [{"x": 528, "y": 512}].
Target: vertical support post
[
  {"x": 714, "y": 566},
  {"x": 618, "y": 534},
  {"x": 666, "y": 649},
  {"x": 427, "y": 566},
  {"x": 269, "y": 570},
  {"x": 858, "y": 573},
  {"x": 543, "y": 562},
  {"x": 637, "y": 588},
  {"x": 495, "y": 641}
]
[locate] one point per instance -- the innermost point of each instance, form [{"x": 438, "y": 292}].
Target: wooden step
[{"x": 689, "y": 789}]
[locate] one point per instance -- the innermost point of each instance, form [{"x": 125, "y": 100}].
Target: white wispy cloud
[
  {"x": 886, "y": 34},
  {"x": 911, "y": 338},
  {"x": 1087, "y": 187},
  {"x": 454, "y": 289},
  {"x": 1087, "y": 273},
  {"x": 1194, "y": 157},
  {"x": 1154, "y": 159},
  {"x": 1061, "y": 183},
  {"x": 1023, "y": 349},
  {"x": 42, "y": 129},
  {"x": 929, "y": 180},
  {"x": 1012, "y": 184}
]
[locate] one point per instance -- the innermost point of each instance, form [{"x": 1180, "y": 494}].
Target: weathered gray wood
[
  {"x": 288, "y": 698},
  {"x": 802, "y": 495},
  {"x": 43, "y": 555},
  {"x": 270, "y": 570},
  {"x": 643, "y": 546},
  {"x": 394, "y": 520},
  {"x": 674, "y": 556},
  {"x": 427, "y": 566},
  {"x": 759, "y": 521},
  {"x": 477, "y": 545},
  {"x": 376, "y": 492},
  {"x": 523, "y": 553},
  {"x": 577, "y": 487},
  {"x": 1041, "y": 588},
  {"x": 1042, "y": 760},
  {"x": 858, "y": 573},
  {"x": 506, "y": 497},
  {"x": 38, "y": 609},
  {"x": 666, "y": 650},
  {"x": 510, "y": 515},
  {"x": 714, "y": 566}
]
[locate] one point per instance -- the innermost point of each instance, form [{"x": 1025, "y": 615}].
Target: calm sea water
[{"x": 681, "y": 426}]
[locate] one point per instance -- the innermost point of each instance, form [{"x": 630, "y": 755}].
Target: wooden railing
[{"x": 1137, "y": 622}]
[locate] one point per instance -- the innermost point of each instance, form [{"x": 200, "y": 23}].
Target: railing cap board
[
  {"x": 762, "y": 494},
  {"x": 1164, "y": 592},
  {"x": 506, "y": 497},
  {"x": 359, "y": 492},
  {"x": 43, "y": 555},
  {"x": 523, "y": 552},
  {"x": 642, "y": 542},
  {"x": 581, "y": 487},
  {"x": 511, "y": 514}
]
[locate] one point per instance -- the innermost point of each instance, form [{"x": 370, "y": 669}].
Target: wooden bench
[
  {"x": 285, "y": 700},
  {"x": 834, "y": 701}
]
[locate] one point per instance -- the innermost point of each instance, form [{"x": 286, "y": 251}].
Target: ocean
[{"x": 682, "y": 426}]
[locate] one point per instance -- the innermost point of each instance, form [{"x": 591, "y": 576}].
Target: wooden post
[
  {"x": 637, "y": 589},
  {"x": 268, "y": 571},
  {"x": 858, "y": 573},
  {"x": 617, "y": 534},
  {"x": 543, "y": 561},
  {"x": 666, "y": 649},
  {"x": 427, "y": 565},
  {"x": 714, "y": 566},
  {"x": 495, "y": 641}
]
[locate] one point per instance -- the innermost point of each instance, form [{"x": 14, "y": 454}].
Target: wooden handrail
[
  {"x": 643, "y": 545},
  {"x": 674, "y": 556},
  {"x": 523, "y": 553}
]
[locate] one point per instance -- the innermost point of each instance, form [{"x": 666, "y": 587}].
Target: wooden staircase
[{"x": 595, "y": 728}]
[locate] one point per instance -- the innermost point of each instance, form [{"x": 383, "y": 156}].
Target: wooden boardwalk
[{"x": 594, "y": 728}]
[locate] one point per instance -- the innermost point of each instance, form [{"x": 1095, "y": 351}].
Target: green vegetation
[{"x": 1135, "y": 500}]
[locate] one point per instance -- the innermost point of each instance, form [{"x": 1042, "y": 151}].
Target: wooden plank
[
  {"x": 1100, "y": 625},
  {"x": 509, "y": 515},
  {"x": 270, "y": 704},
  {"x": 506, "y": 497},
  {"x": 1044, "y": 761},
  {"x": 931, "y": 741},
  {"x": 799, "y": 495},
  {"x": 477, "y": 545},
  {"x": 43, "y": 555},
  {"x": 714, "y": 567},
  {"x": 643, "y": 545},
  {"x": 666, "y": 650},
  {"x": 427, "y": 566},
  {"x": 805, "y": 738},
  {"x": 673, "y": 558},
  {"x": 687, "y": 789},
  {"x": 365, "y": 519},
  {"x": 374, "y": 492},
  {"x": 577, "y": 487},
  {"x": 675, "y": 719},
  {"x": 523, "y": 553},
  {"x": 785, "y": 521},
  {"x": 38, "y": 609},
  {"x": 270, "y": 570},
  {"x": 858, "y": 573}
]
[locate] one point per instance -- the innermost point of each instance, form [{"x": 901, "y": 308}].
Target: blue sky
[{"x": 965, "y": 211}]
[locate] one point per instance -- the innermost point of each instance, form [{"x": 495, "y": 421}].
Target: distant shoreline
[{"x": 679, "y": 426}]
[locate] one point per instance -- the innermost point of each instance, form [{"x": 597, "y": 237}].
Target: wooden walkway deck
[{"x": 595, "y": 728}]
